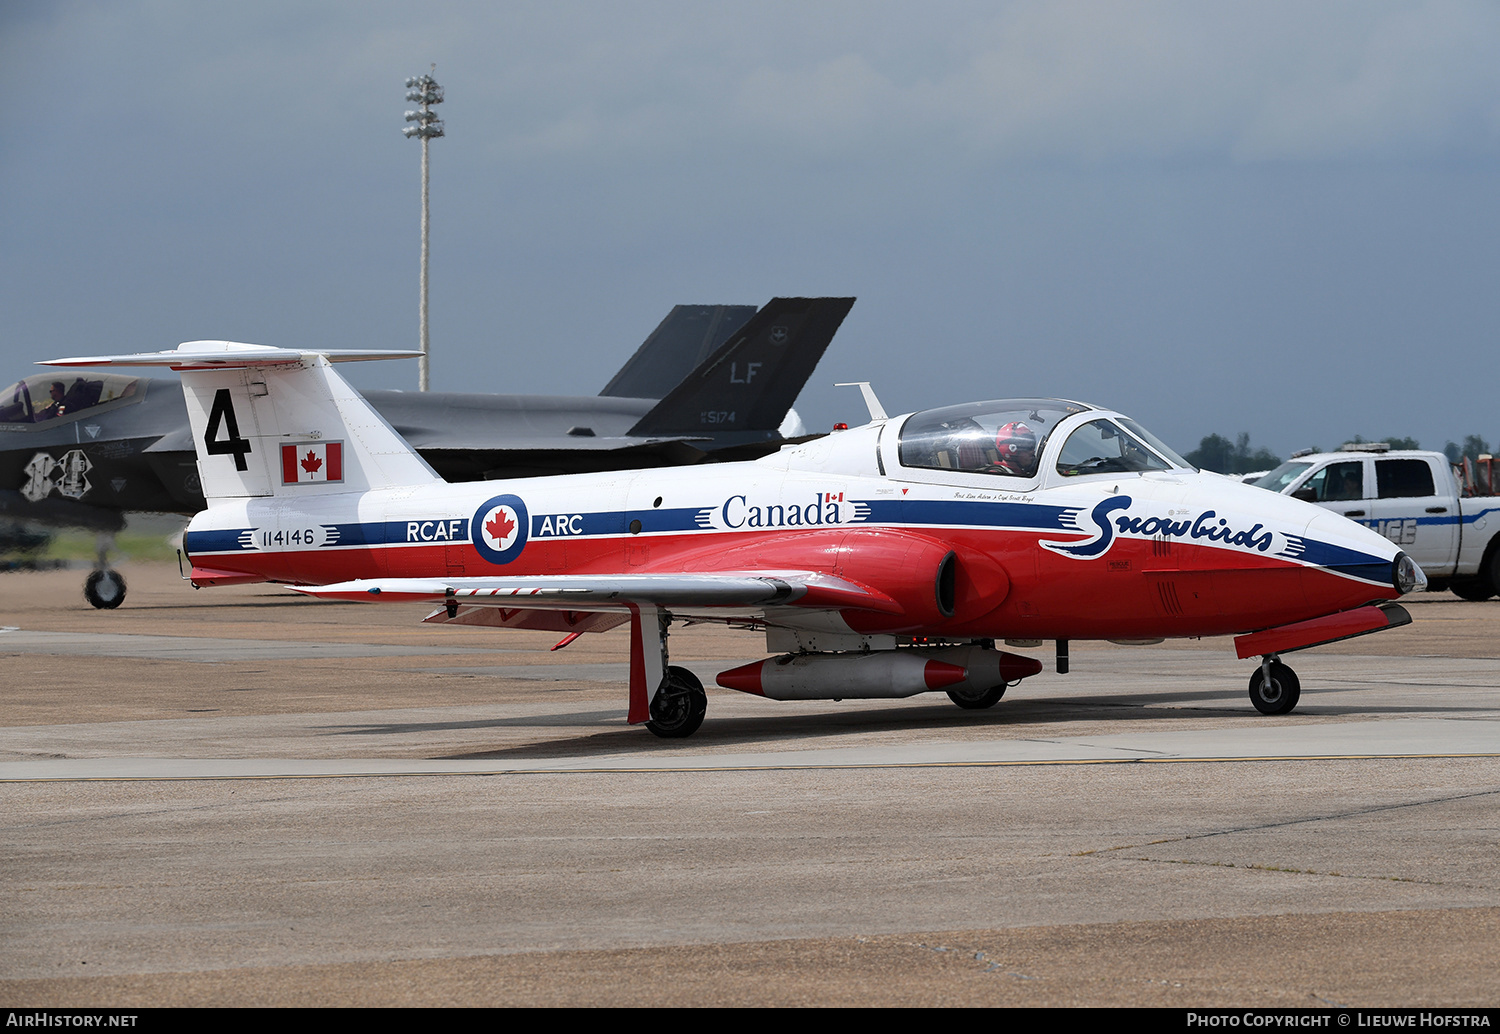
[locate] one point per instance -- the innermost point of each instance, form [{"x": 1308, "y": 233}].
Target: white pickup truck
[{"x": 1413, "y": 499}]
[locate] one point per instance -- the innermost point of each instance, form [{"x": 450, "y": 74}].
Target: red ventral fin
[{"x": 202, "y": 576}]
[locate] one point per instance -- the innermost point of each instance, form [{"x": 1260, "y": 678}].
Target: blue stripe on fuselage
[
  {"x": 1345, "y": 561},
  {"x": 613, "y": 522},
  {"x": 958, "y": 512},
  {"x": 230, "y": 540}
]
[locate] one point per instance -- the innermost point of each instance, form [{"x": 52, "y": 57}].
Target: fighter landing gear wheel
[
  {"x": 679, "y": 706},
  {"x": 104, "y": 588},
  {"x": 1281, "y": 695},
  {"x": 977, "y": 699}
]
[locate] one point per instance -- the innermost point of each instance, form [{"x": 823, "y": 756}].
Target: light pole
[{"x": 424, "y": 90}]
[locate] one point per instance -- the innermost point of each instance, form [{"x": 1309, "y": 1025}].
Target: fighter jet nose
[{"x": 1407, "y": 576}]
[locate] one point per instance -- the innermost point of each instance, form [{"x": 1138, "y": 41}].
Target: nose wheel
[
  {"x": 1274, "y": 688},
  {"x": 104, "y": 588}
]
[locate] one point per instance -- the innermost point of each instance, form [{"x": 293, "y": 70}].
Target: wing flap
[{"x": 581, "y": 592}]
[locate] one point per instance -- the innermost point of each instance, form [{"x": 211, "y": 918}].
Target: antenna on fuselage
[{"x": 877, "y": 411}]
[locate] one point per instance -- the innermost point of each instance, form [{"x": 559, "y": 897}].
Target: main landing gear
[
  {"x": 668, "y": 700},
  {"x": 679, "y": 705},
  {"x": 1274, "y": 688},
  {"x": 104, "y": 588},
  {"x": 976, "y": 699}
]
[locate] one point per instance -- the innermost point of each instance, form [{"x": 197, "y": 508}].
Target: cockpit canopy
[
  {"x": 1004, "y": 437},
  {"x": 46, "y": 397},
  {"x": 1112, "y": 446},
  {"x": 1008, "y": 437}
]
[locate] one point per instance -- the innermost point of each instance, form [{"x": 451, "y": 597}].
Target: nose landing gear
[
  {"x": 104, "y": 588},
  {"x": 1274, "y": 688}
]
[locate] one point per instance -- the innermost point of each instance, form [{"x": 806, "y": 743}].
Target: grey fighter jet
[{"x": 710, "y": 383}]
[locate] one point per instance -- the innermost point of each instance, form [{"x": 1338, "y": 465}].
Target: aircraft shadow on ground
[
  {"x": 525, "y": 721},
  {"x": 786, "y": 730}
]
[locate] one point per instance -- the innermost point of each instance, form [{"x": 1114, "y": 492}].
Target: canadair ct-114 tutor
[{"x": 880, "y": 561}]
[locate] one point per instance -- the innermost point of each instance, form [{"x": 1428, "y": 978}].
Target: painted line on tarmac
[
  {"x": 213, "y": 649},
  {"x": 211, "y": 770}
]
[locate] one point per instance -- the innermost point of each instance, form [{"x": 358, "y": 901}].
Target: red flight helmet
[{"x": 1016, "y": 444}]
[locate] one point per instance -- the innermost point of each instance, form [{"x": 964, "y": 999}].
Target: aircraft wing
[
  {"x": 604, "y": 592},
  {"x": 62, "y": 513}
]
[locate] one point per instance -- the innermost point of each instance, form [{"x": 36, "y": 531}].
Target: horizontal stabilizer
[{"x": 223, "y": 355}]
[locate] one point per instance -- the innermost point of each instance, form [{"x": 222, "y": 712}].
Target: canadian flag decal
[{"x": 317, "y": 461}]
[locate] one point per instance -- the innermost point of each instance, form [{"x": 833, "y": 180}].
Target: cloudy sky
[{"x": 1280, "y": 218}]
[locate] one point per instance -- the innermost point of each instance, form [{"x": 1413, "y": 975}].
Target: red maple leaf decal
[
  {"x": 500, "y": 527},
  {"x": 311, "y": 463}
]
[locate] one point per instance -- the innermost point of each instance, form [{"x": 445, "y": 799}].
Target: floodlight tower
[{"x": 424, "y": 90}]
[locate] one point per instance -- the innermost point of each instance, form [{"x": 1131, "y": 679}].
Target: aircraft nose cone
[
  {"x": 1408, "y": 576},
  {"x": 1336, "y": 543}
]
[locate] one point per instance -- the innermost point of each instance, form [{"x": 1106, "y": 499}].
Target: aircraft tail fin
[
  {"x": 689, "y": 335},
  {"x": 280, "y": 421},
  {"x": 751, "y": 381}
]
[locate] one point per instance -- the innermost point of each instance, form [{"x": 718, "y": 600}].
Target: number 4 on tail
[{"x": 222, "y": 412}]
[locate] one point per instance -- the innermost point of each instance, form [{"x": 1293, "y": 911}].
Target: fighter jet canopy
[{"x": 51, "y": 396}]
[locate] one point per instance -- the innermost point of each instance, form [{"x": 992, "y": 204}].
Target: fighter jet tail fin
[
  {"x": 750, "y": 382},
  {"x": 273, "y": 421},
  {"x": 689, "y": 335}
]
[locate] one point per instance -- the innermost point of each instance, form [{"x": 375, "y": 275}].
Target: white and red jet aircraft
[{"x": 880, "y": 561}]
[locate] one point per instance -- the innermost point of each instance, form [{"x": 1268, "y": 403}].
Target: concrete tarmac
[{"x": 240, "y": 796}]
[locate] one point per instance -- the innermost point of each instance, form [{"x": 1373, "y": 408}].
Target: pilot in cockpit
[
  {"x": 1016, "y": 443},
  {"x": 54, "y": 408}
]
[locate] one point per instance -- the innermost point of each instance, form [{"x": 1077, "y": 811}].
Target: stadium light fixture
[{"x": 423, "y": 90}]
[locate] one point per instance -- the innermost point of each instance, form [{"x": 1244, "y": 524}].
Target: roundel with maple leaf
[{"x": 499, "y": 528}]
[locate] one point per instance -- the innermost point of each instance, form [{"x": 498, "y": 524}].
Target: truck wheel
[{"x": 1475, "y": 589}]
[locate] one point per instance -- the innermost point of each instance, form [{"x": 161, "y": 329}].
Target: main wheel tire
[
  {"x": 1282, "y": 694},
  {"x": 977, "y": 699},
  {"x": 1474, "y": 589},
  {"x": 678, "y": 707},
  {"x": 104, "y": 589}
]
